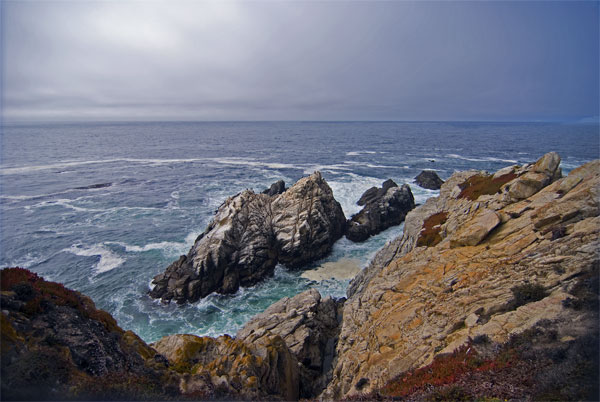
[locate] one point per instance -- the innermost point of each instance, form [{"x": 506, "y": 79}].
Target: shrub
[{"x": 526, "y": 293}]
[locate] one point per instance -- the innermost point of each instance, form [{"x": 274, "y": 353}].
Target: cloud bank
[{"x": 227, "y": 60}]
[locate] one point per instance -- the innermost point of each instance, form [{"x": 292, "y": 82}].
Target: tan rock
[
  {"x": 477, "y": 229},
  {"x": 411, "y": 303}
]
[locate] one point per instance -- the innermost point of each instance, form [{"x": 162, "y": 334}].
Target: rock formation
[
  {"x": 383, "y": 207},
  {"x": 250, "y": 234},
  {"x": 429, "y": 179},
  {"x": 492, "y": 256},
  {"x": 276, "y": 188},
  {"x": 310, "y": 326}
]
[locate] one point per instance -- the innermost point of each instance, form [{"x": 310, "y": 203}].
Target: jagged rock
[
  {"x": 374, "y": 193},
  {"x": 429, "y": 179},
  {"x": 249, "y": 235},
  {"x": 384, "y": 207},
  {"x": 416, "y": 301},
  {"x": 309, "y": 325},
  {"x": 276, "y": 188},
  {"x": 263, "y": 369}
]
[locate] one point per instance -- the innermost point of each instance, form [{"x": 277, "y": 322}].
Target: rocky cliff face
[
  {"x": 250, "y": 234},
  {"x": 492, "y": 256}
]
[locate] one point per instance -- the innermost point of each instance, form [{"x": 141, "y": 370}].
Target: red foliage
[
  {"x": 11, "y": 276},
  {"x": 446, "y": 369}
]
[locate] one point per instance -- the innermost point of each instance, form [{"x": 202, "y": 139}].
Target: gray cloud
[{"x": 300, "y": 61}]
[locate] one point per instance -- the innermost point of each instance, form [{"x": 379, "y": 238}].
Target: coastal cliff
[{"x": 491, "y": 292}]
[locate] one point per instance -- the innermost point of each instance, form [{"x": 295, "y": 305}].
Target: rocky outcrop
[
  {"x": 310, "y": 326},
  {"x": 276, "y": 188},
  {"x": 492, "y": 256},
  {"x": 57, "y": 345},
  {"x": 249, "y": 235},
  {"x": 383, "y": 207},
  {"x": 429, "y": 179},
  {"x": 264, "y": 369}
]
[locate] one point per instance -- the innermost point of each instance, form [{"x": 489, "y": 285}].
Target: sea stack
[
  {"x": 250, "y": 234},
  {"x": 383, "y": 207}
]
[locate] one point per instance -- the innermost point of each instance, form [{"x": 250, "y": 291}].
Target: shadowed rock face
[
  {"x": 383, "y": 207},
  {"x": 429, "y": 179},
  {"x": 310, "y": 326},
  {"x": 250, "y": 234}
]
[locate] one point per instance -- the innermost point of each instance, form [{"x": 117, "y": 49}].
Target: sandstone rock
[
  {"x": 309, "y": 325},
  {"x": 386, "y": 207},
  {"x": 429, "y": 179},
  {"x": 249, "y": 235},
  {"x": 479, "y": 227},
  {"x": 409, "y": 293}
]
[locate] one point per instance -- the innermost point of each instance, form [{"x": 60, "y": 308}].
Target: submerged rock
[
  {"x": 383, "y": 208},
  {"x": 429, "y": 179},
  {"x": 249, "y": 235}
]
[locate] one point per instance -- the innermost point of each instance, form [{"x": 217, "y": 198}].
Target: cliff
[{"x": 492, "y": 257}]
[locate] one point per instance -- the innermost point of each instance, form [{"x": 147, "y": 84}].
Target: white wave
[
  {"x": 254, "y": 163},
  {"x": 108, "y": 260},
  {"x": 27, "y": 261},
  {"x": 334, "y": 169},
  {"x": 62, "y": 165},
  {"x": 487, "y": 159},
  {"x": 356, "y": 153},
  {"x": 347, "y": 193}
]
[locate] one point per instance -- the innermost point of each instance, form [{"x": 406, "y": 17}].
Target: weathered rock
[
  {"x": 416, "y": 301},
  {"x": 309, "y": 325},
  {"x": 264, "y": 369},
  {"x": 306, "y": 221},
  {"x": 479, "y": 227},
  {"x": 429, "y": 179},
  {"x": 249, "y": 235},
  {"x": 383, "y": 208},
  {"x": 276, "y": 188}
]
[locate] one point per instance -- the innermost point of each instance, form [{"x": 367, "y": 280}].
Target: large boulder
[
  {"x": 249, "y": 235},
  {"x": 309, "y": 325},
  {"x": 429, "y": 179},
  {"x": 383, "y": 208}
]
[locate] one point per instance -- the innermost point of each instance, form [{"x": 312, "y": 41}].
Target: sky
[{"x": 292, "y": 60}]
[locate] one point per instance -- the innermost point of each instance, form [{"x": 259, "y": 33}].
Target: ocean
[{"x": 104, "y": 207}]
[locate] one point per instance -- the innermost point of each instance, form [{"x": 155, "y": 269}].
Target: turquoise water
[{"x": 104, "y": 207}]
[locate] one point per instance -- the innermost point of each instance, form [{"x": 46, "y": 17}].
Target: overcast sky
[{"x": 280, "y": 60}]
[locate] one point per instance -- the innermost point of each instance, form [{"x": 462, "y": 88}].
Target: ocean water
[{"x": 104, "y": 207}]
